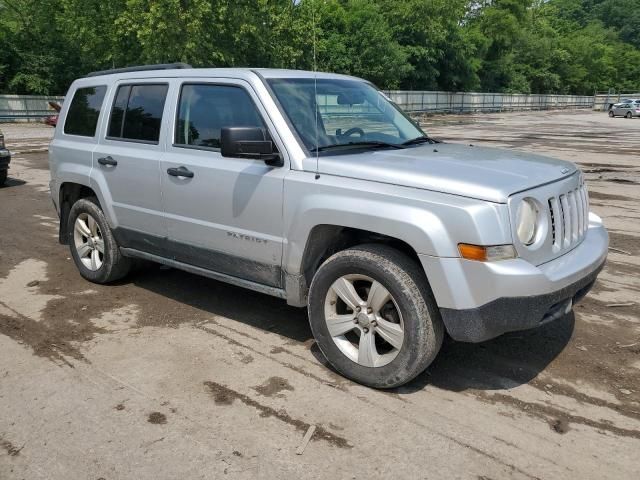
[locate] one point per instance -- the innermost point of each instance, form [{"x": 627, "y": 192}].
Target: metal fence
[
  {"x": 26, "y": 107},
  {"x": 469, "y": 102},
  {"x": 31, "y": 107}
]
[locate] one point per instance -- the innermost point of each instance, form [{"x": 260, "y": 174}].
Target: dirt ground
[{"x": 168, "y": 375}]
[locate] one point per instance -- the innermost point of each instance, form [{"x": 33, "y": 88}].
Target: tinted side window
[
  {"x": 205, "y": 109},
  {"x": 137, "y": 112},
  {"x": 117, "y": 111},
  {"x": 82, "y": 117}
]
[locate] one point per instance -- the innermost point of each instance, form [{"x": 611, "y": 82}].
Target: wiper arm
[
  {"x": 358, "y": 144},
  {"x": 420, "y": 139}
]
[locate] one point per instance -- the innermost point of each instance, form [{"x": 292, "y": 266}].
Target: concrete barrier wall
[
  {"x": 35, "y": 108},
  {"x": 468, "y": 102},
  {"x": 26, "y": 107}
]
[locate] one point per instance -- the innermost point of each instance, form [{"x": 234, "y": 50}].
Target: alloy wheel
[
  {"x": 87, "y": 238},
  {"x": 364, "y": 320}
]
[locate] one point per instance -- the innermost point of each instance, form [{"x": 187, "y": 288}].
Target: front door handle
[
  {"x": 180, "y": 172},
  {"x": 107, "y": 161}
]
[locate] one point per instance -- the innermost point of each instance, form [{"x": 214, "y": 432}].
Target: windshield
[{"x": 350, "y": 113}]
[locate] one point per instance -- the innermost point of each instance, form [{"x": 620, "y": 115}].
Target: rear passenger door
[
  {"x": 126, "y": 164},
  {"x": 621, "y": 109},
  {"x": 227, "y": 217}
]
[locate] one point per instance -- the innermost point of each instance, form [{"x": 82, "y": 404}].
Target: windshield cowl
[{"x": 357, "y": 145}]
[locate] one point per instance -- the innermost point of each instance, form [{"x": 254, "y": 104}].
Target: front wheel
[
  {"x": 611, "y": 114},
  {"x": 373, "y": 316},
  {"x": 93, "y": 246}
]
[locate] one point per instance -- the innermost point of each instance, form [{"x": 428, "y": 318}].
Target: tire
[
  {"x": 3, "y": 177},
  {"x": 410, "y": 309},
  {"x": 628, "y": 115},
  {"x": 96, "y": 254},
  {"x": 611, "y": 114}
]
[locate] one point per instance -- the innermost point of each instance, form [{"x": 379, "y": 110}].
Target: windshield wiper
[
  {"x": 373, "y": 144},
  {"x": 420, "y": 139}
]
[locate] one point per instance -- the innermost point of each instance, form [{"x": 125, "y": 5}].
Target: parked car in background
[
  {"x": 53, "y": 119},
  {"x": 317, "y": 189},
  {"x": 629, "y": 108},
  {"x": 5, "y": 158},
  {"x": 622, "y": 102}
]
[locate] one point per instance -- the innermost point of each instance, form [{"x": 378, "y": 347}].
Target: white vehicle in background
[{"x": 627, "y": 108}]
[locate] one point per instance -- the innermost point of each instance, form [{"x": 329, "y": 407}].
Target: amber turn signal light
[
  {"x": 473, "y": 252},
  {"x": 486, "y": 254}
]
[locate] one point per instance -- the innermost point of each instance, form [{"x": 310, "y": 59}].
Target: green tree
[
  {"x": 431, "y": 33},
  {"x": 33, "y": 55},
  {"x": 555, "y": 46},
  {"x": 354, "y": 37}
]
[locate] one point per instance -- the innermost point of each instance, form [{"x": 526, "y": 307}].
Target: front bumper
[
  {"x": 482, "y": 300},
  {"x": 5, "y": 158}
]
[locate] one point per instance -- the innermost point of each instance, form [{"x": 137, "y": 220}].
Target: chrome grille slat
[
  {"x": 586, "y": 200},
  {"x": 560, "y": 223},
  {"x": 585, "y": 209},
  {"x": 566, "y": 221},
  {"x": 573, "y": 206},
  {"x": 578, "y": 197}
]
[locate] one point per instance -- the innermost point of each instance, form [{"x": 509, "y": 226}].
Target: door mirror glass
[{"x": 248, "y": 142}]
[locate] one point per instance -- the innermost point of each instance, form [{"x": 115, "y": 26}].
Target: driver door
[{"x": 227, "y": 215}]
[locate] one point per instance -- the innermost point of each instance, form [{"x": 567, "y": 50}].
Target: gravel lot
[{"x": 167, "y": 375}]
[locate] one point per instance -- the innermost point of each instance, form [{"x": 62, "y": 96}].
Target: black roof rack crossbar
[{"x": 141, "y": 68}]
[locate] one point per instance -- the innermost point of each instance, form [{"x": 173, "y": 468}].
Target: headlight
[{"x": 527, "y": 221}]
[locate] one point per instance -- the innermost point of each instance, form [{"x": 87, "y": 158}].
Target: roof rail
[{"x": 141, "y": 68}]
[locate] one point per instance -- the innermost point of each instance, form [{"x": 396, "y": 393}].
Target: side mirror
[{"x": 248, "y": 142}]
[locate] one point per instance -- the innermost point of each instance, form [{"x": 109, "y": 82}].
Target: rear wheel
[
  {"x": 628, "y": 115},
  {"x": 3, "y": 177},
  {"x": 93, "y": 247},
  {"x": 374, "y": 317}
]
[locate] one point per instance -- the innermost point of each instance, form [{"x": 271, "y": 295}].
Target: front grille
[{"x": 569, "y": 213}]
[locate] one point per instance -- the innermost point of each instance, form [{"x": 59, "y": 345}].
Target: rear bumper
[
  {"x": 5, "y": 159},
  {"x": 482, "y": 300}
]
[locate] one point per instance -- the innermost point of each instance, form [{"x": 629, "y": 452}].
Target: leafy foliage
[{"x": 538, "y": 46}]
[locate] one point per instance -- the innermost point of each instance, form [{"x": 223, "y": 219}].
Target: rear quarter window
[{"x": 84, "y": 110}]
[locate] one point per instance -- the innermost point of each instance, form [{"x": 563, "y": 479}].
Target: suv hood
[{"x": 478, "y": 172}]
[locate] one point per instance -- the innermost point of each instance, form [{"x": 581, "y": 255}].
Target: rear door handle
[
  {"x": 107, "y": 161},
  {"x": 180, "y": 172}
]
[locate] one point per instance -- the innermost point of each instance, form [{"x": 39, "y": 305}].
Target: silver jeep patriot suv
[{"x": 318, "y": 189}]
